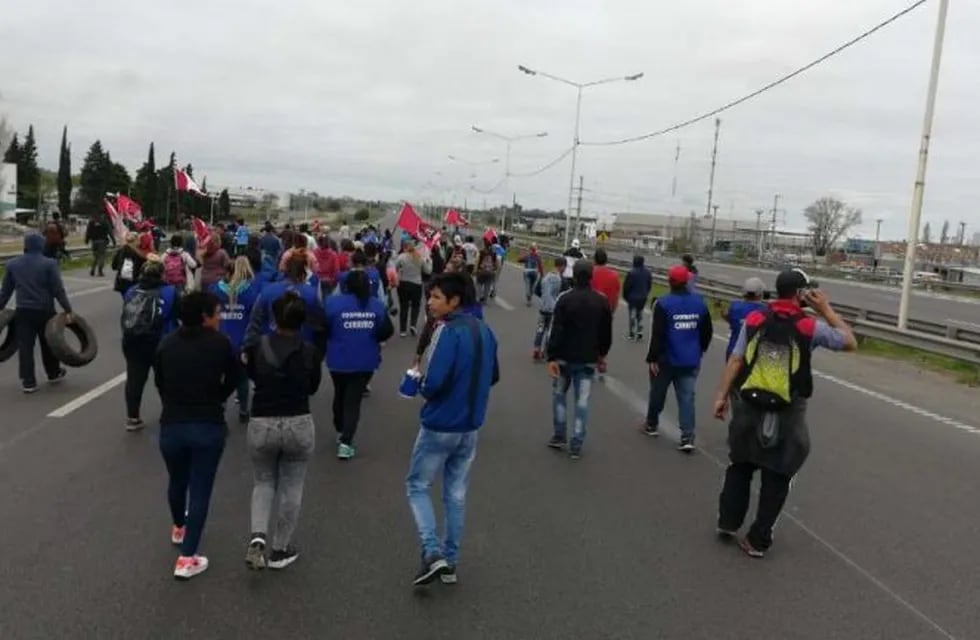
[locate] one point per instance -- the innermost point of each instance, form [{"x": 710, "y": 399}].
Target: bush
[{"x": 362, "y": 214}]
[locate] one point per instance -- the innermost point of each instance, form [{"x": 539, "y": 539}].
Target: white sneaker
[{"x": 189, "y": 566}]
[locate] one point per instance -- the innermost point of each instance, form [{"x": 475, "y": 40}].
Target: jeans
[
  {"x": 579, "y": 378},
  {"x": 530, "y": 279},
  {"x": 348, "y": 392},
  {"x": 99, "y": 250},
  {"x": 543, "y": 329},
  {"x": 191, "y": 451},
  {"x": 733, "y": 503},
  {"x": 685, "y": 382},
  {"x": 484, "y": 286},
  {"x": 409, "y": 303},
  {"x": 453, "y": 455},
  {"x": 29, "y": 327},
  {"x": 139, "y": 356},
  {"x": 280, "y": 449},
  {"x": 636, "y": 320}
]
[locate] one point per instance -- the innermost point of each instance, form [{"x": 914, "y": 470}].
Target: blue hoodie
[
  {"x": 374, "y": 279},
  {"x": 455, "y": 386},
  {"x": 354, "y": 333},
  {"x": 262, "y": 323},
  {"x": 35, "y": 278},
  {"x": 638, "y": 283},
  {"x": 235, "y": 317}
]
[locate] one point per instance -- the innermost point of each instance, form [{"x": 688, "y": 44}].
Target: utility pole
[
  {"x": 758, "y": 235},
  {"x": 714, "y": 225},
  {"x": 962, "y": 234},
  {"x": 775, "y": 209},
  {"x": 578, "y": 211},
  {"x": 677, "y": 157},
  {"x": 918, "y": 193},
  {"x": 877, "y": 251},
  {"x": 711, "y": 181}
]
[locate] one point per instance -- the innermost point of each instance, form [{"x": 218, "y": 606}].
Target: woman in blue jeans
[{"x": 195, "y": 371}]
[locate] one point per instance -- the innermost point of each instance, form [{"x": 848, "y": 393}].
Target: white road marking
[
  {"x": 85, "y": 292},
  {"x": 503, "y": 304},
  {"x": 87, "y": 397},
  {"x": 639, "y": 404}
]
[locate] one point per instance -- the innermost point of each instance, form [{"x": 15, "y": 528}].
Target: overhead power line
[
  {"x": 771, "y": 85},
  {"x": 545, "y": 167}
]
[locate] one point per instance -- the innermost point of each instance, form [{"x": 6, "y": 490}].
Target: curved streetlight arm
[
  {"x": 630, "y": 78},
  {"x": 501, "y": 136}
]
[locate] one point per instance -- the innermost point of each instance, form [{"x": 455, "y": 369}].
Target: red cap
[{"x": 679, "y": 274}]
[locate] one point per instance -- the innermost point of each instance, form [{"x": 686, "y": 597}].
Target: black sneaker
[
  {"x": 282, "y": 558},
  {"x": 575, "y": 454},
  {"x": 556, "y": 442},
  {"x": 639, "y": 337},
  {"x": 413, "y": 331},
  {"x": 651, "y": 430},
  {"x": 686, "y": 445},
  {"x": 432, "y": 567},
  {"x": 749, "y": 550},
  {"x": 255, "y": 553},
  {"x": 449, "y": 577},
  {"x": 29, "y": 388},
  {"x": 726, "y": 535},
  {"x": 58, "y": 377},
  {"x": 134, "y": 424}
]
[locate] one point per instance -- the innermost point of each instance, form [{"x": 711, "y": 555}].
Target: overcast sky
[{"x": 368, "y": 98}]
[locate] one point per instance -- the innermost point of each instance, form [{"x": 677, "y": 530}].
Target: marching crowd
[{"x": 258, "y": 315}]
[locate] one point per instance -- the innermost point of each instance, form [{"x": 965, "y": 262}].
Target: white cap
[
  {"x": 754, "y": 286},
  {"x": 575, "y": 243}
]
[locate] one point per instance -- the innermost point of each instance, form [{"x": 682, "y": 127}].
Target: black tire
[
  {"x": 8, "y": 347},
  {"x": 54, "y": 332}
]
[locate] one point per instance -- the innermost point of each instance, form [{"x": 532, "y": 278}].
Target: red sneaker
[
  {"x": 177, "y": 534},
  {"x": 189, "y": 566}
]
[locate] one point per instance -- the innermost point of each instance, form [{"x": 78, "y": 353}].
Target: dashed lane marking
[
  {"x": 87, "y": 397},
  {"x": 503, "y": 304}
]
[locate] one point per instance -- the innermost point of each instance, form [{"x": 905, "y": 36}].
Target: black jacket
[
  {"x": 581, "y": 327},
  {"x": 284, "y": 390},
  {"x": 98, "y": 231},
  {"x": 195, "y": 371}
]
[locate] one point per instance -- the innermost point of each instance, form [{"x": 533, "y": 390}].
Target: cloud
[{"x": 369, "y": 98}]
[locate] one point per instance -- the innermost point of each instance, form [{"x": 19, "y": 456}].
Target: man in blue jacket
[
  {"x": 636, "y": 290},
  {"x": 37, "y": 282},
  {"x": 680, "y": 335},
  {"x": 460, "y": 367}
]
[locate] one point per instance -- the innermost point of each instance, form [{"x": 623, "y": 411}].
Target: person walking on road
[
  {"x": 692, "y": 279},
  {"x": 581, "y": 336},
  {"x": 767, "y": 383},
  {"x": 177, "y": 263},
  {"x": 195, "y": 371},
  {"x": 411, "y": 267},
  {"x": 214, "y": 262},
  {"x": 98, "y": 235},
  {"x": 550, "y": 289},
  {"x": 149, "y": 313},
  {"x": 261, "y": 321},
  {"x": 237, "y": 296},
  {"x": 486, "y": 270},
  {"x": 281, "y": 435},
  {"x": 459, "y": 368},
  {"x": 636, "y": 291},
  {"x": 127, "y": 262},
  {"x": 533, "y": 271},
  {"x": 356, "y": 325},
  {"x": 37, "y": 282},
  {"x": 738, "y": 311},
  {"x": 681, "y": 332},
  {"x": 270, "y": 244},
  {"x": 572, "y": 254}
]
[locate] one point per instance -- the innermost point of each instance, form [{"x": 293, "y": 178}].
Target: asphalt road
[{"x": 878, "y": 540}]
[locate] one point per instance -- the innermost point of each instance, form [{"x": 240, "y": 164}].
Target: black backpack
[
  {"x": 142, "y": 313},
  {"x": 774, "y": 353}
]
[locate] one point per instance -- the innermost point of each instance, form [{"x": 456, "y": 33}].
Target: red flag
[
  {"x": 118, "y": 228},
  {"x": 129, "y": 207},
  {"x": 455, "y": 219},
  {"x": 490, "y": 234},
  {"x": 417, "y": 227},
  {"x": 184, "y": 182},
  {"x": 201, "y": 231}
]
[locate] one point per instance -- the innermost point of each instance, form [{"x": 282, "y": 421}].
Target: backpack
[
  {"x": 773, "y": 355},
  {"x": 173, "y": 269},
  {"x": 142, "y": 313},
  {"x": 127, "y": 269}
]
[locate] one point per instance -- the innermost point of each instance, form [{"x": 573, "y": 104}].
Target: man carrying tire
[{"x": 37, "y": 282}]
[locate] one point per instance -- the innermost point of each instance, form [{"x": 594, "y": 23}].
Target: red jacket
[{"x": 606, "y": 281}]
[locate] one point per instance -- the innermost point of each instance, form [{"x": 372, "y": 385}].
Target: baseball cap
[
  {"x": 679, "y": 274},
  {"x": 793, "y": 280},
  {"x": 754, "y": 286},
  {"x": 576, "y": 244}
]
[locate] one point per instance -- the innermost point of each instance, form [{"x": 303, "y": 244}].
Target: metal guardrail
[
  {"x": 958, "y": 343},
  {"x": 77, "y": 252}
]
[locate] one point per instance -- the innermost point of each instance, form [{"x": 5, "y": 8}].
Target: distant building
[
  {"x": 976, "y": 239},
  {"x": 727, "y": 233}
]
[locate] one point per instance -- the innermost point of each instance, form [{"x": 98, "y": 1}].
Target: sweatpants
[
  {"x": 29, "y": 328},
  {"x": 733, "y": 503},
  {"x": 348, "y": 392},
  {"x": 409, "y": 304},
  {"x": 280, "y": 448},
  {"x": 191, "y": 451}
]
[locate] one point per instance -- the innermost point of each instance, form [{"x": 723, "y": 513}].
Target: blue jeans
[
  {"x": 191, "y": 451},
  {"x": 530, "y": 279},
  {"x": 579, "y": 378},
  {"x": 453, "y": 455},
  {"x": 636, "y": 319},
  {"x": 543, "y": 329},
  {"x": 685, "y": 381}
]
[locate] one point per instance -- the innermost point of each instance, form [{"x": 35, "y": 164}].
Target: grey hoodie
[
  {"x": 550, "y": 289},
  {"x": 36, "y": 279}
]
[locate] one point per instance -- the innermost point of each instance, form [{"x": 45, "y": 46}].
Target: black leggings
[
  {"x": 409, "y": 301},
  {"x": 348, "y": 391},
  {"x": 139, "y": 362}
]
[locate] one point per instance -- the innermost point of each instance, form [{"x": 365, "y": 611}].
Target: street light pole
[
  {"x": 877, "y": 251},
  {"x": 509, "y": 140},
  {"x": 578, "y": 112},
  {"x": 918, "y": 192}
]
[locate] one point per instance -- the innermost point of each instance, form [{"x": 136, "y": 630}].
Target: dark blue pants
[{"x": 191, "y": 451}]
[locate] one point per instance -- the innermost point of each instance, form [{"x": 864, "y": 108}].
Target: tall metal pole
[
  {"x": 918, "y": 192},
  {"x": 874, "y": 256},
  {"x": 571, "y": 180},
  {"x": 758, "y": 235},
  {"x": 775, "y": 209},
  {"x": 677, "y": 157},
  {"x": 578, "y": 210},
  {"x": 503, "y": 225},
  {"x": 711, "y": 184}
]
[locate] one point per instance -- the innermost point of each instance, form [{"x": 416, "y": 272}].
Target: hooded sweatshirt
[
  {"x": 35, "y": 278},
  {"x": 638, "y": 283}
]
